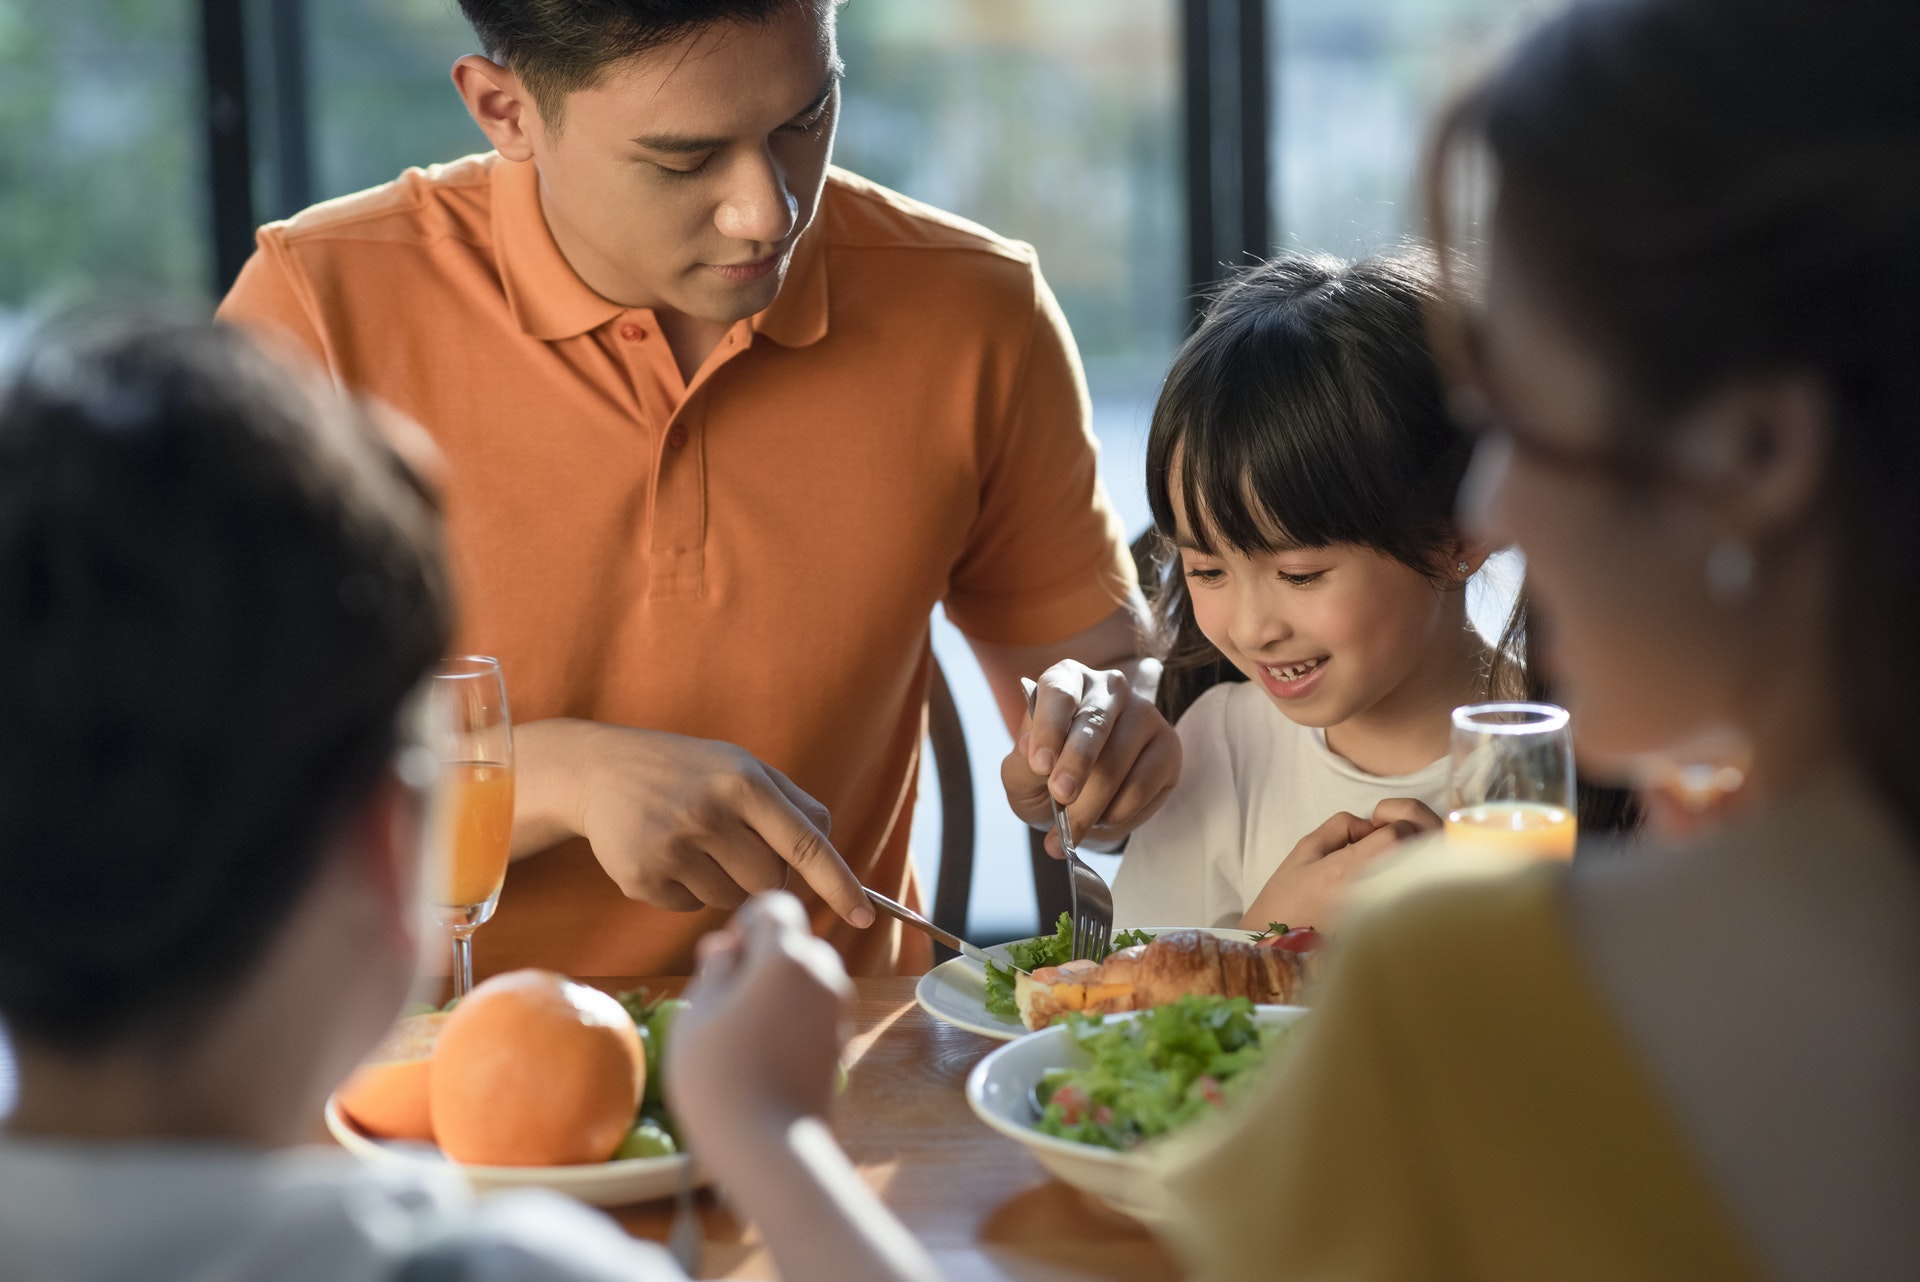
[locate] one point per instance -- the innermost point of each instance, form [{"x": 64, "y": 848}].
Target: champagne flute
[
  {"x": 471, "y": 734},
  {"x": 1510, "y": 780}
]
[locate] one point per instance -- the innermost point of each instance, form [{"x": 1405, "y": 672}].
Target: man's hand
[
  {"x": 676, "y": 822},
  {"x": 759, "y": 1046},
  {"x": 1099, "y": 747},
  {"x": 1308, "y": 887}
]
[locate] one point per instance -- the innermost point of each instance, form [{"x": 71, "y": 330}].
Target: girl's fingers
[
  {"x": 1419, "y": 816},
  {"x": 1340, "y": 831},
  {"x": 1150, "y": 778}
]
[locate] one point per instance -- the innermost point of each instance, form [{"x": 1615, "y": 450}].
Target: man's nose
[{"x": 759, "y": 207}]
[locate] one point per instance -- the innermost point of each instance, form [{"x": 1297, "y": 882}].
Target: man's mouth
[{"x": 740, "y": 273}]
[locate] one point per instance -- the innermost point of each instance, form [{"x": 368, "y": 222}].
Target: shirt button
[
  {"x": 677, "y": 438},
  {"x": 632, "y": 333}
]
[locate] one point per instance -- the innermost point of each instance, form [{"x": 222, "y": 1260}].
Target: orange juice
[
  {"x": 1526, "y": 828},
  {"x": 477, "y": 797}
]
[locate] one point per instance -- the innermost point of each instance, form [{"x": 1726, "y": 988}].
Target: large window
[
  {"x": 100, "y": 150},
  {"x": 1355, "y": 85},
  {"x": 1059, "y": 123}
]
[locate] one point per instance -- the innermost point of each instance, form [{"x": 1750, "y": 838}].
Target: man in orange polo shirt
[{"x": 722, "y": 425}]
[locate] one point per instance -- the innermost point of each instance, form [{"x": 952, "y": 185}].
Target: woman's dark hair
[
  {"x": 558, "y": 46},
  {"x": 1304, "y": 411},
  {"x": 218, "y": 587},
  {"x": 1720, "y": 188}
]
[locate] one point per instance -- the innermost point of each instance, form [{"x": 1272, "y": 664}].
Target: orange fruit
[
  {"x": 533, "y": 1069},
  {"x": 387, "y": 1094}
]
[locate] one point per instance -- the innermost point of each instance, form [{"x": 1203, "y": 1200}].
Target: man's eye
[
  {"x": 670, "y": 172},
  {"x": 807, "y": 125}
]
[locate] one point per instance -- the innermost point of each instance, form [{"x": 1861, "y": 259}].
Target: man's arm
[{"x": 1095, "y": 740}]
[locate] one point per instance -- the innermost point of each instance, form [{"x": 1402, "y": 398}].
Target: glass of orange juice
[
  {"x": 471, "y": 733},
  {"x": 1510, "y": 782}
]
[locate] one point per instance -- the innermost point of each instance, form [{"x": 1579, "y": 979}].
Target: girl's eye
[
  {"x": 1205, "y": 575},
  {"x": 1301, "y": 580}
]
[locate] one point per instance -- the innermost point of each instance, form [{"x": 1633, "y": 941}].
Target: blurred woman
[{"x": 1696, "y": 377}]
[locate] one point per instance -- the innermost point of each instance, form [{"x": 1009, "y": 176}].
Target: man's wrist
[{"x": 554, "y": 760}]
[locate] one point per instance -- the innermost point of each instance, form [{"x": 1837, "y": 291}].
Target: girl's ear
[{"x": 1465, "y": 557}]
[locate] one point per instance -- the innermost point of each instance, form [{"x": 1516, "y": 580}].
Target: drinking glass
[
  {"x": 1510, "y": 780},
  {"x": 470, "y": 732}
]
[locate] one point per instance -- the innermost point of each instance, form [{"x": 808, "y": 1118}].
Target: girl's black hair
[
  {"x": 1304, "y": 412},
  {"x": 1307, "y": 411}
]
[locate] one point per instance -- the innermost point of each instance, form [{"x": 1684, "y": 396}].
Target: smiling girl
[{"x": 1302, "y": 463}]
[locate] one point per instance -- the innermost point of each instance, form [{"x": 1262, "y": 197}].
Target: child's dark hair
[
  {"x": 1305, "y": 411},
  {"x": 218, "y": 588}
]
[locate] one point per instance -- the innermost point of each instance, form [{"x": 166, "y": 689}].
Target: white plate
[
  {"x": 997, "y": 1089},
  {"x": 956, "y": 990},
  {"x": 638, "y": 1179}
]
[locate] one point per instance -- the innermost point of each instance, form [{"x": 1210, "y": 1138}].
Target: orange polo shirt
[{"x": 751, "y": 555}]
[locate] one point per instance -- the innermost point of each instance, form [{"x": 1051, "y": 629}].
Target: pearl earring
[{"x": 1730, "y": 568}]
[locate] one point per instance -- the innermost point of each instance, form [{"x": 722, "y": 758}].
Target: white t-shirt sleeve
[{"x": 1181, "y": 867}]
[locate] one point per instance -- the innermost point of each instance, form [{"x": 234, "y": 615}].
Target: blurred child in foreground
[{"x": 218, "y": 591}]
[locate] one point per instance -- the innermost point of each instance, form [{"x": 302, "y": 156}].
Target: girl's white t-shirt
[{"x": 1252, "y": 784}]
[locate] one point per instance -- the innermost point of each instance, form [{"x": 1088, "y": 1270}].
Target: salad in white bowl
[{"x": 1088, "y": 1097}]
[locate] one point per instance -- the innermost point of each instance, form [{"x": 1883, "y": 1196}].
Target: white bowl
[
  {"x": 999, "y": 1087},
  {"x": 637, "y": 1179}
]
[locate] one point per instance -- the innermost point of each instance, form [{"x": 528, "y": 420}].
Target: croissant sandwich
[{"x": 1177, "y": 964}]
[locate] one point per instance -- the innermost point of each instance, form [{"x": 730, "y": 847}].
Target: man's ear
[
  {"x": 387, "y": 835},
  {"x": 499, "y": 103}
]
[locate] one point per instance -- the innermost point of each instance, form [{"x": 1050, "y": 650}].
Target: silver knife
[{"x": 912, "y": 918}]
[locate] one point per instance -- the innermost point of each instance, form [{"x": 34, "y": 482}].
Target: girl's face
[{"x": 1330, "y": 633}]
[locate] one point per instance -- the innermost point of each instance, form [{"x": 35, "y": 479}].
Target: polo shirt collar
[
  {"x": 550, "y": 301},
  {"x": 797, "y": 317}
]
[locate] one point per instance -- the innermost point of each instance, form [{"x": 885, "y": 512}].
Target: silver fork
[
  {"x": 1089, "y": 902},
  {"x": 686, "y": 1238}
]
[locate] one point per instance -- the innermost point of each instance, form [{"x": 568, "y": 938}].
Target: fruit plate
[
  {"x": 639, "y": 1179},
  {"x": 956, "y": 991},
  {"x": 998, "y": 1089}
]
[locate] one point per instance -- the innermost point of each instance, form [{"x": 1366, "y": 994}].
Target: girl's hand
[
  {"x": 1100, "y": 748},
  {"x": 758, "y": 1048},
  {"x": 1309, "y": 886}
]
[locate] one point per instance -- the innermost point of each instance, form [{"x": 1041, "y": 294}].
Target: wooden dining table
[{"x": 980, "y": 1203}]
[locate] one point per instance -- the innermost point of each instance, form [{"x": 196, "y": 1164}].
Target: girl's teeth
[{"x": 1295, "y": 672}]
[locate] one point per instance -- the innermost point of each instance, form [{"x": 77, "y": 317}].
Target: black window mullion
[
  {"x": 1225, "y": 70},
  {"x": 229, "y": 152}
]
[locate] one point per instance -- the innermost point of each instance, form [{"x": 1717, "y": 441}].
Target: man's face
[{"x": 683, "y": 178}]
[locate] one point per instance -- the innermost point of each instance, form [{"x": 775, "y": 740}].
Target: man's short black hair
[
  {"x": 218, "y": 588},
  {"x": 558, "y": 46}
]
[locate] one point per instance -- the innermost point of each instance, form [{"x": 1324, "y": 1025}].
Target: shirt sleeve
[
  {"x": 1047, "y": 558},
  {"x": 270, "y": 300},
  {"x": 1321, "y": 1178},
  {"x": 1180, "y": 866},
  {"x": 535, "y": 1236}
]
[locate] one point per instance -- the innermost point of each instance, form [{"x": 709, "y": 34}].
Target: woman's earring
[{"x": 1730, "y": 568}]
